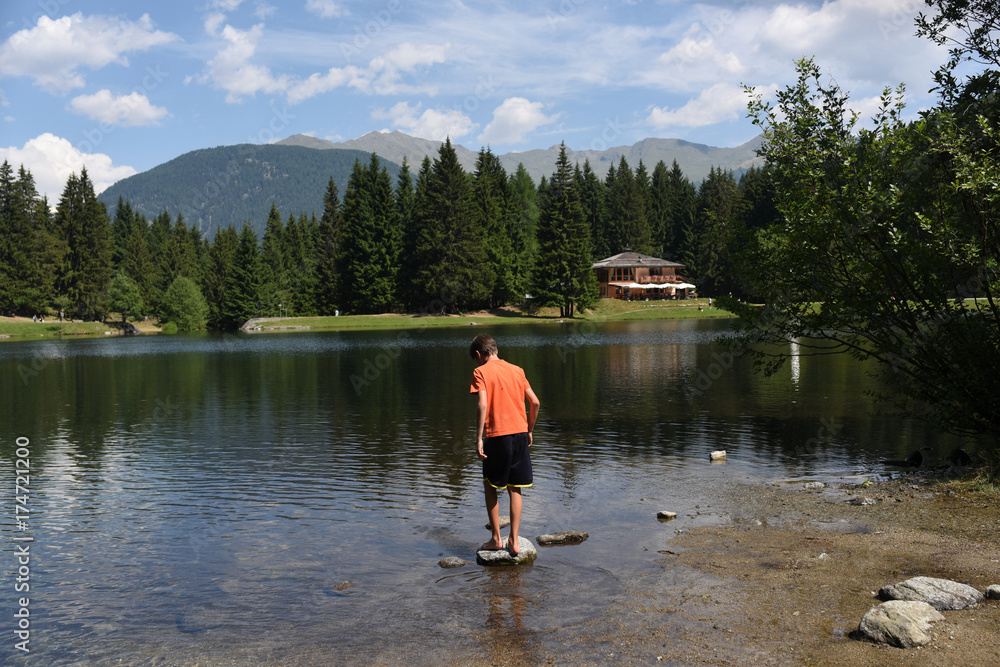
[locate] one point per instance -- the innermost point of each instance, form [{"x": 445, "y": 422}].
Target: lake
[{"x": 285, "y": 498}]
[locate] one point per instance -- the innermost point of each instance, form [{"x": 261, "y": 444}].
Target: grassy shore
[{"x": 606, "y": 310}]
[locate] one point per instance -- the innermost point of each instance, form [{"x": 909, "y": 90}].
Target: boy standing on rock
[{"x": 502, "y": 390}]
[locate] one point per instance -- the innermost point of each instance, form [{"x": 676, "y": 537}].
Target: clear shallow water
[{"x": 287, "y": 497}]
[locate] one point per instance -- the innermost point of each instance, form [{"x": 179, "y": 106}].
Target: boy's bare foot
[
  {"x": 492, "y": 545},
  {"x": 512, "y": 547}
]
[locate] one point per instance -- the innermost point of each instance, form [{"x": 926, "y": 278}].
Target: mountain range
[
  {"x": 695, "y": 160},
  {"x": 228, "y": 185}
]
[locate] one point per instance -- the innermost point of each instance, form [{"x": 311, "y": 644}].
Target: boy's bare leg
[
  {"x": 493, "y": 510},
  {"x": 515, "y": 519}
]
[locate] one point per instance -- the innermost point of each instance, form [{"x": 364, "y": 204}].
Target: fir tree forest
[{"x": 435, "y": 240}]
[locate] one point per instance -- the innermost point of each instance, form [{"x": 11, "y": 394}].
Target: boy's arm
[
  {"x": 481, "y": 408},
  {"x": 533, "y": 404}
]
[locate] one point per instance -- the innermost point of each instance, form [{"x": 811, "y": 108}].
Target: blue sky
[{"x": 120, "y": 86}]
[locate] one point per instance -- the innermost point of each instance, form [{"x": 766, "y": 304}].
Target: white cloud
[
  {"x": 231, "y": 70},
  {"x": 213, "y": 21},
  {"x": 54, "y": 51},
  {"x": 406, "y": 57},
  {"x": 51, "y": 160},
  {"x": 265, "y": 11},
  {"x": 317, "y": 84},
  {"x": 326, "y": 8},
  {"x": 721, "y": 102},
  {"x": 433, "y": 124},
  {"x": 513, "y": 119},
  {"x": 122, "y": 110},
  {"x": 225, "y": 5},
  {"x": 381, "y": 76}
]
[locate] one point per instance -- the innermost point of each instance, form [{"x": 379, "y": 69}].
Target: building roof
[{"x": 629, "y": 259}]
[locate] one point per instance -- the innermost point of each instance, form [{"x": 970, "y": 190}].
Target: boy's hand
[{"x": 479, "y": 449}]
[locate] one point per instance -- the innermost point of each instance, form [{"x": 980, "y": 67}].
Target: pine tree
[
  {"x": 24, "y": 282},
  {"x": 274, "y": 278},
  {"x": 220, "y": 279},
  {"x": 592, "y": 200},
  {"x": 628, "y": 226},
  {"x": 137, "y": 263},
  {"x": 659, "y": 211},
  {"x": 524, "y": 221},
  {"x": 680, "y": 230},
  {"x": 83, "y": 224},
  {"x": 494, "y": 216},
  {"x": 328, "y": 252},
  {"x": 244, "y": 298},
  {"x": 563, "y": 275},
  {"x": 718, "y": 210},
  {"x": 450, "y": 254},
  {"x": 369, "y": 263},
  {"x": 412, "y": 292}
]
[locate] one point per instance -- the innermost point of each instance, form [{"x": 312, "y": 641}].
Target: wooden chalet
[{"x": 634, "y": 276}]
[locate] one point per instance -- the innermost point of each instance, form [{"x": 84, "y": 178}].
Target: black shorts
[{"x": 508, "y": 461}]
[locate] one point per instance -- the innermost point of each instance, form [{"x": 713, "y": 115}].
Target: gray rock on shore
[
  {"x": 526, "y": 554},
  {"x": 993, "y": 592},
  {"x": 941, "y": 594},
  {"x": 900, "y": 623},
  {"x": 563, "y": 537}
]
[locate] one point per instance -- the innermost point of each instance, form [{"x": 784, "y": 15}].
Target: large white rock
[
  {"x": 526, "y": 554},
  {"x": 902, "y": 623},
  {"x": 942, "y": 594}
]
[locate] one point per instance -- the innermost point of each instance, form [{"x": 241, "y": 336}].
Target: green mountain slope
[{"x": 216, "y": 187}]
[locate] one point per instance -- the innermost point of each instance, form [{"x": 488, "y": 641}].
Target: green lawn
[
  {"x": 606, "y": 310},
  {"x": 22, "y": 328}
]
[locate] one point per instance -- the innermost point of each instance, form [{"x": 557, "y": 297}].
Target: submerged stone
[
  {"x": 452, "y": 561},
  {"x": 526, "y": 555},
  {"x": 563, "y": 537}
]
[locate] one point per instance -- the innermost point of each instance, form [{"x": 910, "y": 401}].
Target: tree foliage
[
  {"x": 562, "y": 273},
  {"x": 886, "y": 248}
]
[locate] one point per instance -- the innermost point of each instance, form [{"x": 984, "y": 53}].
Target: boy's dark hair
[{"x": 483, "y": 345}]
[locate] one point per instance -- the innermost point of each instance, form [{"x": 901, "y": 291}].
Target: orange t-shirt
[{"x": 505, "y": 385}]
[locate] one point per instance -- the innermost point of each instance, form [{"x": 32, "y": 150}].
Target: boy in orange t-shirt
[{"x": 502, "y": 390}]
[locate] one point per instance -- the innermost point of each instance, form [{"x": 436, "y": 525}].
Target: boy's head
[{"x": 483, "y": 346}]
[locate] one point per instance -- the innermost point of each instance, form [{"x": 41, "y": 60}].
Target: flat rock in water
[
  {"x": 901, "y": 623},
  {"x": 563, "y": 537},
  {"x": 719, "y": 455},
  {"x": 664, "y": 515},
  {"x": 527, "y": 554},
  {"x": 452, "y": 561},
  {"x": 993, "y": 592},
  {"x": 941, "y": 594}
]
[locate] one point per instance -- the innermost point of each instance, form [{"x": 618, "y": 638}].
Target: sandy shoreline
[{"x": 767, "y": 596}]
